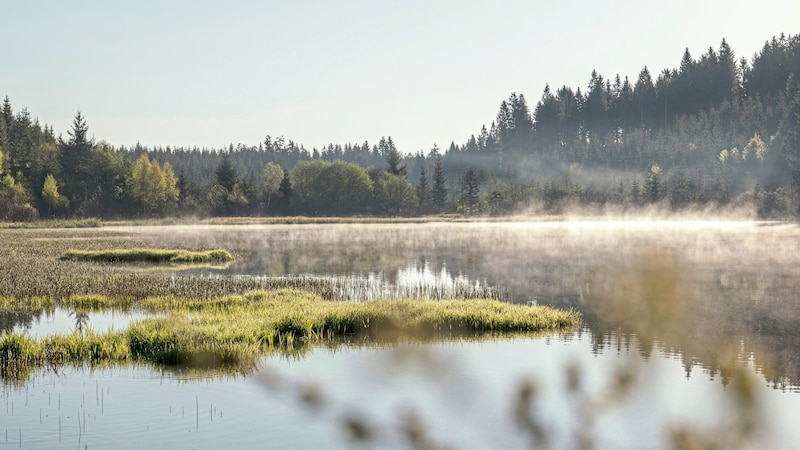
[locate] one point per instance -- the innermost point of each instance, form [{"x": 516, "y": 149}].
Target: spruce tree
[
  {"x": 74, "y": 158},
  {"x": 226, "y": 175},
  {"x": 423, "y": 190},
  {"x": 439, "y": 192},
  {"x": 471, "y": 192},
  {"x": 393, "y": 158},
  {"x": 285, "y": 192},
  {"x": 654, "y": 186}
]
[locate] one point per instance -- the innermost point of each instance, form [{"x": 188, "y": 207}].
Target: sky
[{"x": 209, "y": 74}]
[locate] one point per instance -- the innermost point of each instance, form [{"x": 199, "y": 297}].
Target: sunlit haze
[{"x": 207, "y": 74}]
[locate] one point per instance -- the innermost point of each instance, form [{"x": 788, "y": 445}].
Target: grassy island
[
  {"x": 150, "y": 255},
  {"x": 235, "y": 330},
  {"x": 218, "y": 322}
]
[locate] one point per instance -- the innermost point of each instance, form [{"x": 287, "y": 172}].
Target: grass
[
  {"x": 54, "y": 223},
  {"x": 235, "y": 330},
  {"x": 313, "y": 220},
  {"x": 222, "y": 323},
  {"x": 149, "y": 255}
]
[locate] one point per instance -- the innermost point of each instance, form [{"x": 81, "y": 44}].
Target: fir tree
[
  {"x": 285, "y": 193},
  {"x": 226, "y": 175},
  {"x": 423, "y": 190},
  {"x": 439, "y": 192},
  {"x": 393, "y": 158},
  {"x": 471, "y": 192}
]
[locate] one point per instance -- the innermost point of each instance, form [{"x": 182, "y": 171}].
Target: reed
[
  {"x": 91, "y": 222},
  {"x": 234, "y": 330},
  {"x": 149, "y": 255},
  {"x": 227, "y": 321},
  {"x": 265, "y": 317}
]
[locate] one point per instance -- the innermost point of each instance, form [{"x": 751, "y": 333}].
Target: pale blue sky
[{"x": 212, "y": 73}]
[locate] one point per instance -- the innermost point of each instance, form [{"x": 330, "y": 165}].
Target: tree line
[{"x": 714, "y": 130}]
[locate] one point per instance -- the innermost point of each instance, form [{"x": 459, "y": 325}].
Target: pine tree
[
  {"x": 393, "y": 158},
  {"x": 285, "y": 192},
  {"x": 226, "y": 175},
  {"x": 439, "y": 192},
  {"x": 78, "y": 133},
  {"x": 3, "y": 133},
  {"x": 728, "y": 79},
  {"x": 7, "y": 114},
  {"x": 636, "y": 194},
  {"x": 423, "y": 190},
  {"x": 644, "y": 97},
  {"x": 654, "y": 186},
  {"x": 790, "y": 134},
  {"x": 74, "y": 158},
  {"x": 471, "y": 192}
]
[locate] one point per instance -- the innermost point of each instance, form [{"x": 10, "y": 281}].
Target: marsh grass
[
  {"x": 149, "y": 255},
  {"x": 91, "y": 222},
  {"x": 375, "y": 287},
  {"x": 224, "y": 321},
  {"x": 90, "y": 302},
  {"x": 235, "y": 330}
]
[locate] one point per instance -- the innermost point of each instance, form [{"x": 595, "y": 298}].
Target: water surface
[{"x": 740, "y": 280}]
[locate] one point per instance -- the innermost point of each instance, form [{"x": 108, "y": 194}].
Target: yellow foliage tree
[
  {"x": 50, "y": 194},
  {"x": 153, "y": 186},
  {"x": 273, "y": 175}
]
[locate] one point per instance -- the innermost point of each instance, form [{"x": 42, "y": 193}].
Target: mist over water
[
  {"x": 555, "y": 262},
  {"x": 740, "y": 278},
  {"x": 733, "y": 284}
]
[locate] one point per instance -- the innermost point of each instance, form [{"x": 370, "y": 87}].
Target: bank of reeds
[
  {"x": 364, "y": 288},
  {"x": 235, "y": 330},
  {"x": 54, "y": 223},
  {"x": 228, "y": 321},
  {"x": 63, "y": 282},
  {"x": 149, "y": 255}
]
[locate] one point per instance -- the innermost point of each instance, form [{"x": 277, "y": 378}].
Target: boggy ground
[{"x": 215, "y": 323}]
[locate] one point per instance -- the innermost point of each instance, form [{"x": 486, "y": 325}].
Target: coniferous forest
[{"x": 715, "y": 131}]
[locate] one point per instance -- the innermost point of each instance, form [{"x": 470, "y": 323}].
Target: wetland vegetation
[
  {"x": 224, "y": 261},
  {"x": 149, "y": 255},
  {"x": 235, "y": 319},
  {"x": 291, "y": 293}
]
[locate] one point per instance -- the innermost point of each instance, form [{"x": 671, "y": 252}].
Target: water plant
[
  {"x": 149, "y": 255},
  {"x": 235, "y": 330},
  {"x": 223, "y": 320}
]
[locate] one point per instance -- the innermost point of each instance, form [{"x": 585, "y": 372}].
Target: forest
[{"x": 712, "y": 132}]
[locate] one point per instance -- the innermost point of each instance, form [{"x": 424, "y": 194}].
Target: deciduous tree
[{"x": 273, "y": 175}]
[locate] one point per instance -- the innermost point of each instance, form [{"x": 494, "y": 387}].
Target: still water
[{"x": 741, "y": 278}]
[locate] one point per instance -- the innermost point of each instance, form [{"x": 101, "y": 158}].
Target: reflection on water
[
  {"x": 461, "y": 392},
  {"x": 742, "y": 277},
  {"x": 412, "y": 282},
  {"x": 41, "y": 324},
  {"x": 423, "y": 282},
  {"x": 738, "y": 290}
]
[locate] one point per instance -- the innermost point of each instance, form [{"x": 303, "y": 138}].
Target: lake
[{"x": 737, "y": 293}]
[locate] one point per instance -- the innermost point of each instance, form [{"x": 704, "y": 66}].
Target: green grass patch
[
  {"x": 233, "y": 331},
  {"x": 150, "y": 255}
]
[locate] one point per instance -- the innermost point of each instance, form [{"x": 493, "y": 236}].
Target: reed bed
[
  {"x": 54, "y": 223},
  {"x": 60, "y": 282},
  {"x": 224, "y": 321},
  {"x": 374, "y": 287},
  {"x": 149, "y": 255},
  {"x": 31, "y": 266},
  {"x": 235, "y": 330}
]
